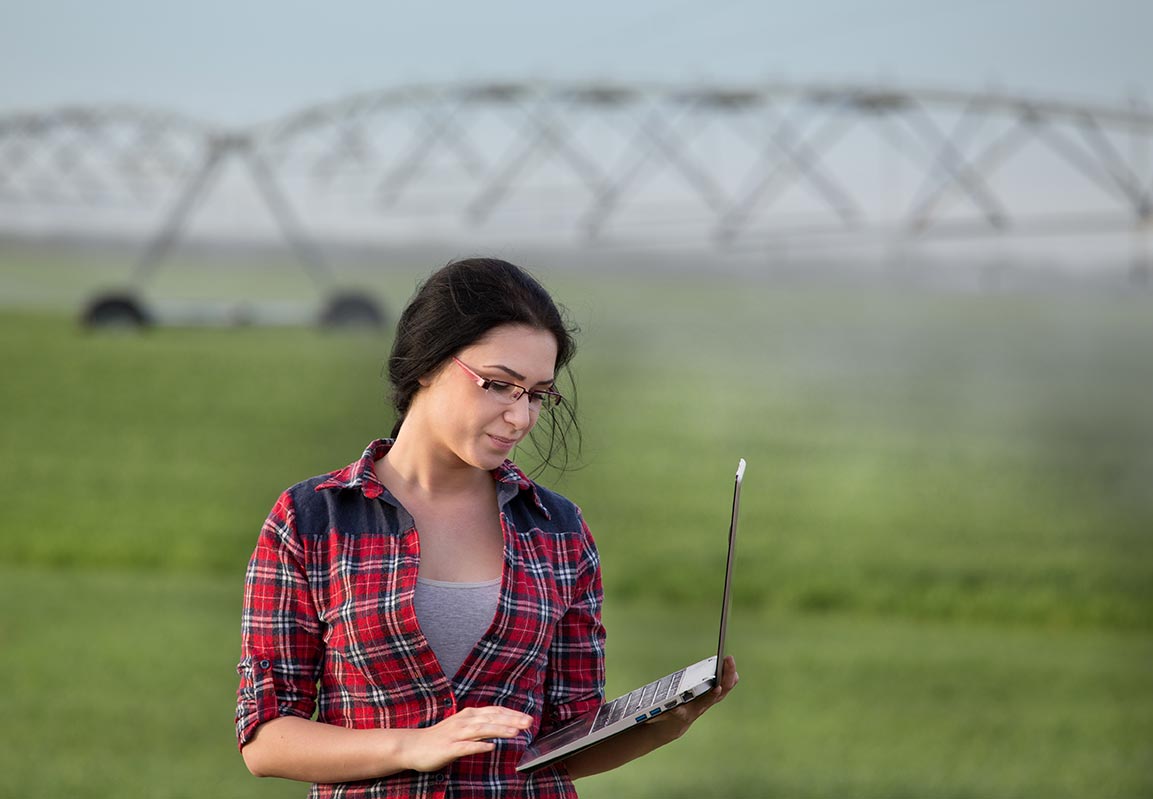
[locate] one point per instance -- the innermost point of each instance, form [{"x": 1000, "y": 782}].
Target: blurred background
[{"x": 897, "y": 256}]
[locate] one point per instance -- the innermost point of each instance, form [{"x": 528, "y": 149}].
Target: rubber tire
[
  {"x": 115, "y": 311},
  {"x": 352, "y": 311}
]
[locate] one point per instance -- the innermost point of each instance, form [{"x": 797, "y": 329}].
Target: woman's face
[{"x": 474, "y": 426}]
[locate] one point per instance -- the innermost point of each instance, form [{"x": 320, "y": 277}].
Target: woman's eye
[
  {"x": 501, "y": 389},
  {"x": 540, "y": 397}
]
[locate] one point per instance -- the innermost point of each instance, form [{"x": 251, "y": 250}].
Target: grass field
[{"x": 945, "y": 577}]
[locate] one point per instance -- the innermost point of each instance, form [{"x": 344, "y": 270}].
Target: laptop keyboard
[{"x": 643, "y": 697}]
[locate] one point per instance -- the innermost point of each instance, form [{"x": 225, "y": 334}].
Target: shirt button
[
  {"x": 264, "y": 664},
  {"x": 440, "y": 778},
  {"x": 447, "y": 702}
]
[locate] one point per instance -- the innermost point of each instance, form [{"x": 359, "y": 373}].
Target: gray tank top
[{"x": 454, "y": 616}]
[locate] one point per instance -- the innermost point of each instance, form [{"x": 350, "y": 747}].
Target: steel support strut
[{"x": 220, "y": 149}]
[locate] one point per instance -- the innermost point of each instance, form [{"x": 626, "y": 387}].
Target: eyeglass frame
[{"x": 554, "y": 398}]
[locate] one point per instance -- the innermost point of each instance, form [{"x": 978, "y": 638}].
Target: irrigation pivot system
[{"x": 729, "y": 167}]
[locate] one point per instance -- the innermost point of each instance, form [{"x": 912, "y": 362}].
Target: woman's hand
[
  {"x": 657, "y": 732},
  {"x": 465, "y": 733},
  {"x": 678, "y": 720}
]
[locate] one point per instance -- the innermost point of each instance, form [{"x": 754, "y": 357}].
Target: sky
[{"x": 240, "y": 62}]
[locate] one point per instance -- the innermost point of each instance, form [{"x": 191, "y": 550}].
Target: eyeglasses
[{"x": 508, "y": 393}]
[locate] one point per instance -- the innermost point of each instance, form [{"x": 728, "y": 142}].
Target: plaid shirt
[{"x": 329, "y": 628}]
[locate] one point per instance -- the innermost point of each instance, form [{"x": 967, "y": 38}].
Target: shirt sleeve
[
  {"x": 575, "y": 680},
  {"x": 280, "y": 631}
]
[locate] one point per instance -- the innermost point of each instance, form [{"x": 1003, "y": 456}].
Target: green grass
[{"x": 945, "y": 576}]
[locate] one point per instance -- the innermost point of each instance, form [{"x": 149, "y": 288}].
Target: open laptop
[{"x": 648, "y": 701}]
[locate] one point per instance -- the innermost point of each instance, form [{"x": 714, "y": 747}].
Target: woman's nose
[{"x": 518, "y": 414}]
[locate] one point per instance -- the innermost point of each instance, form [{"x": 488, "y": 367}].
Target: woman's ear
[{"x": 427, "y": 380}]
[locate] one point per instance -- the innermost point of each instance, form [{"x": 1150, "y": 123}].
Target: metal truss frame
[{"x": 131, "y": 156}]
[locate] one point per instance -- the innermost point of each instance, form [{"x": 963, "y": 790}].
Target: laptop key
[{"x": 647, "y": 696}]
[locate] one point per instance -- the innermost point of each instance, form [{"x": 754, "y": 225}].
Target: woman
[{"x": 430, "y": 659}]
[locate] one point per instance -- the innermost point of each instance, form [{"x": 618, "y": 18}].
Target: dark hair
[{"x": 456, "y": 307}]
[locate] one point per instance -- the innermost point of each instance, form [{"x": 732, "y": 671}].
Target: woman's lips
[{"x": 501, "y": 442}]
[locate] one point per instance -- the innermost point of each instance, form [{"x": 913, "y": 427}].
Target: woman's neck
[{"x": 413, "y": 468}]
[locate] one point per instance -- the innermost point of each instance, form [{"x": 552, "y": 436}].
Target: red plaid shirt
[{"x": 329, "y": 628}]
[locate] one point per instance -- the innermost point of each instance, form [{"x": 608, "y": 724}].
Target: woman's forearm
[{"x": 311, "y": 751}]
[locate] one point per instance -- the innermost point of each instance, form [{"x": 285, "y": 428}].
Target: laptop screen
[{"x": 726, "y": 600}]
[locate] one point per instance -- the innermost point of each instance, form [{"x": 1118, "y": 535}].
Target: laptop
[{"x": 648, "y": 701}]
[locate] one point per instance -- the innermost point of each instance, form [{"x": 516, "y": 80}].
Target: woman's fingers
[
  {"x": 729, "y": 676},
  {"x": 469, "y": 732},
  {"x": 480, "y": 723},
  {"x": 488, "y": 722}
]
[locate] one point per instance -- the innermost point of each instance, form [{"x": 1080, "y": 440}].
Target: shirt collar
[{"x": 361, "y": 474}]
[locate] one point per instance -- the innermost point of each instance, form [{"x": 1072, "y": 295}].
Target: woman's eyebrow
[{"x": 517, "y": 375}]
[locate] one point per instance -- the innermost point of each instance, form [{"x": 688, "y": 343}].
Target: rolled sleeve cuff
[{"x": 257, "y": 700}]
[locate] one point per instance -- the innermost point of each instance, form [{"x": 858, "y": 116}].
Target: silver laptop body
[{"x": 648, "y": 701}]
